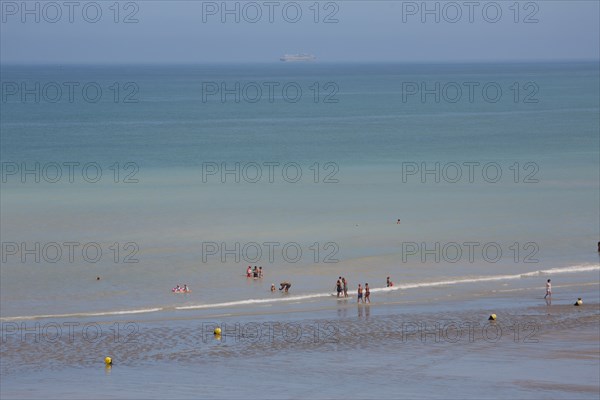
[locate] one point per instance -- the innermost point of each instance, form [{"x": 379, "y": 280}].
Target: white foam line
[
  {"x": 579, "y": 268},
  {"x": 252, "y": 301},
  {"x": 98, "y": 314}
]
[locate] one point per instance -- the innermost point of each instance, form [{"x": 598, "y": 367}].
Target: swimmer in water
[
  {"x": 272, "y": 287},
  {"x": 185, "y": 288},
  {"x": 285, "y": 285}
]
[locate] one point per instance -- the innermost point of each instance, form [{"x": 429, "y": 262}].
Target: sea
[{"x": 468, "y": 185}]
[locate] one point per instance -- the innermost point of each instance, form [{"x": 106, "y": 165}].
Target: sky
[{"x": 166, "y": 31}]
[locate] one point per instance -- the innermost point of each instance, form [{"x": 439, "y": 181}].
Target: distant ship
[{"x": 298, "y": 57}]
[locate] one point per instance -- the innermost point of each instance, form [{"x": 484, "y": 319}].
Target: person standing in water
[
  {"x": 360, "y": 293},
  {"x": 548, "y": 289},
  {"x": 338, "y": 286},
  {"x": 345, "y": 287},
  {"x": 367, "y": 293},
  {"x": 249, "y": 272},
  {"x": 389, "y": 282}
]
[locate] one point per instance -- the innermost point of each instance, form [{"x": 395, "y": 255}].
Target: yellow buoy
[
  {"x": 217, "y": 331},
  {"x": 108, "y": 361},
  {"x": 578, "y": 302},
  {"x": 492, "y": 317}
]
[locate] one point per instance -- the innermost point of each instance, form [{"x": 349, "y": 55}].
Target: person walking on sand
[
  {"x": 360, "y": 293},
  {"x": 345, "y": 287},
  {"x": 367, "y": 293},
  {"x": 548, "y": 289}
]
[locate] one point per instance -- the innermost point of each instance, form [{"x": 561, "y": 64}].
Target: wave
[
  {"x": 406, "y": 286},
  {"x": 253, "y": 301},
  {"x": 563, "y": 270},
  {"x": 85, "y": 315}
]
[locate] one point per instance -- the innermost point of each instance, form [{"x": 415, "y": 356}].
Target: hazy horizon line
[{"x": 189, "y": 63}]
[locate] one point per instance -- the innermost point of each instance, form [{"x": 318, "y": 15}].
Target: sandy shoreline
[
  {"x": 435, "y": 349},
  {"x": 259, "y": 335}
]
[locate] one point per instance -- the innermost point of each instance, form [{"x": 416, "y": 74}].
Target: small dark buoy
[{"x": 97, "y": 278}]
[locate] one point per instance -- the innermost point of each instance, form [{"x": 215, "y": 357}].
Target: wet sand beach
[{"x": 530, "y": 351}]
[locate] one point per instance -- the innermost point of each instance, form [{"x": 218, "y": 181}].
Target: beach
[
  {"x": 398, "y": 344},
  {"x": 468, "y": 206}
]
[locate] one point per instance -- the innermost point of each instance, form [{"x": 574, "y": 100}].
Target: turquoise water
[{"x": 355, "y": 152}]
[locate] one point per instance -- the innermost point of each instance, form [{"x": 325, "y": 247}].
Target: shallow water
[{"x": 538, "y": 222}]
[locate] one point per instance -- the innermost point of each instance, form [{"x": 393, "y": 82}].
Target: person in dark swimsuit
[
  {"x": 338, "y": 286},
  {"x": 285, "y": 285},
  {"x": 360, "y": 292},
  {"x": 367, "y": 293}
]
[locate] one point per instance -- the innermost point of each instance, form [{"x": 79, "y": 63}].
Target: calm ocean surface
[{"x": 152, "y": 176}]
